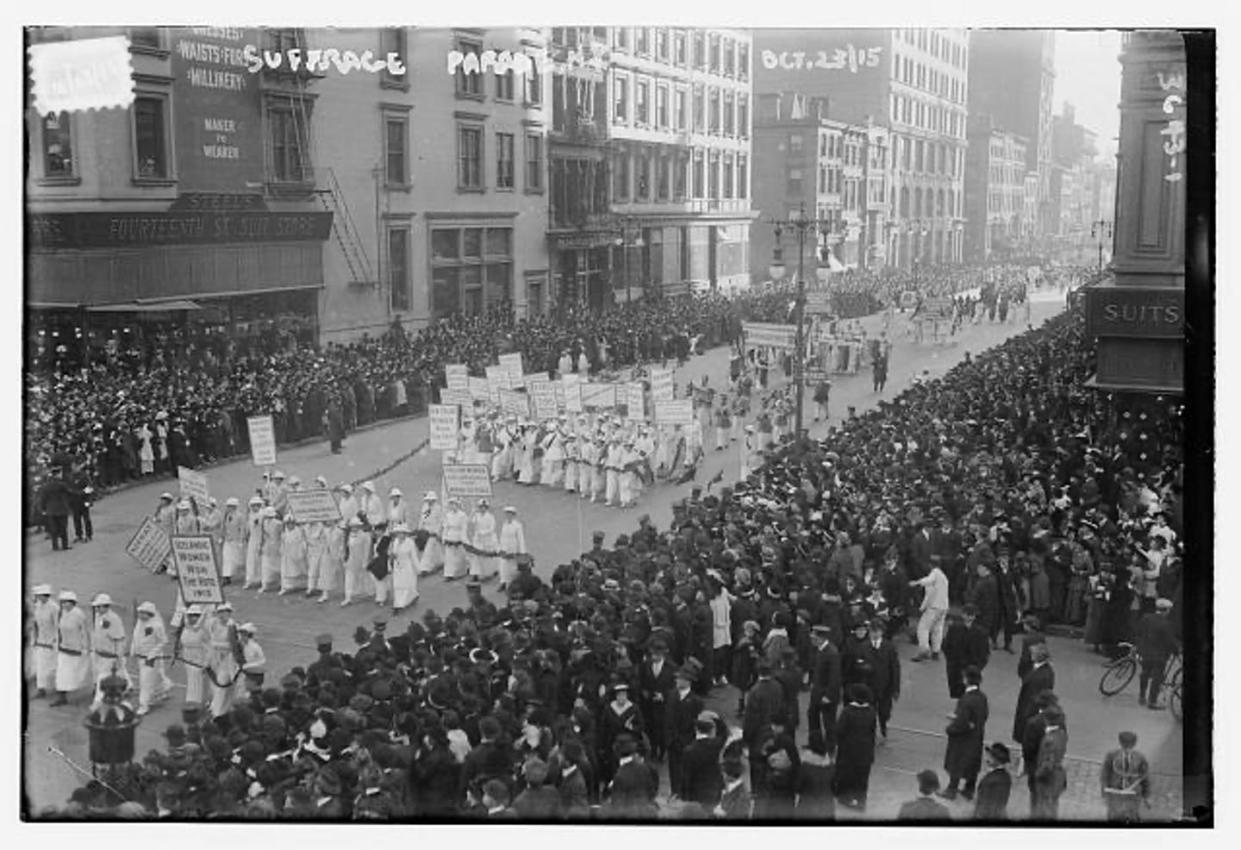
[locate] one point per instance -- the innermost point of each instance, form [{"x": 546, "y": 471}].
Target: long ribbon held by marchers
[{"x": 379, "y": 473}]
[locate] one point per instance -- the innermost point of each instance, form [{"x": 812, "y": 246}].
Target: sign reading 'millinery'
[{"x": 108, "y": 230}]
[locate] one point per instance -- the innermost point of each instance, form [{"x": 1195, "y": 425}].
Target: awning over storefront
[
  {"x": 149, "y": 307},
  {"x": 263, "y": 291}
]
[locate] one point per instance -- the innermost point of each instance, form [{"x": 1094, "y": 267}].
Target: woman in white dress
[
  {"x": 403, "y": 561},
  {"x": 485, "y": 540},
  {"x": 431, "y": 521},
  {"x": 254, "y": 537},
  {"x": 146, "y": 455},
  {"x": 512, "y": 544},
  {"x": 455, "y": 535},
  {"x": 525, "y": 468},
  {"x": 357, "y": 547}
]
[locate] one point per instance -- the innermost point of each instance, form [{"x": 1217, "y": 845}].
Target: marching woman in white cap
[
  {"x": 372, "y": 506},
  {"x": 317, "y": 540},
  {"x": 431, "y": 521},
  {"x": 107, "y": 645},
  {"x": 397, "y": 510},
  {"x": 271, "y": 537},
  {"x": 73, "y": 661},
  {"x": 484, "y": 539},
  {"x": 46, "y": 619},
  {"x": 332, "y": 564},
  {"x": 150, "y": 640},
  {"x": 164, "y": 516},
  {"x": 254, "y": 538},
  {"x": 512, "y": 544},
  {"x": 357, "y": 547},
  {"x": 347, "y": 502},
  {"x": 194, "y": 647},
  {"x": 525, "y": 445},
  {"x": 292, "y": 556},
  {"x": 403, "y": 558},
  {"x": 456, "y": 527},
  {"x": 253, "y": 661},
  {"x": 235, "y": 532},
  {"x": 222, "y": 659}
]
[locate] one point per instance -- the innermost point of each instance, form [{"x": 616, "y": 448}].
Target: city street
[{"x": 558, "y": 527}]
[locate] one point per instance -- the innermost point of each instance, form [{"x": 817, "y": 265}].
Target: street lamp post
[
  {"x": 1100, "y": 230},
  {"x": 624, "y": 244},
  {"x": 801, "y": 224}
]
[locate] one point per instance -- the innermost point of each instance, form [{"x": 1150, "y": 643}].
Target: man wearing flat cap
[
  {"x": 1156, "y": 643},
  {"x": 825, "y": 684},
  {"x": 1125, "y": 779},
  {"x": 991, "y": 800}
]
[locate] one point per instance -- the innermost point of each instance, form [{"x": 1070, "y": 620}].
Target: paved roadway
[{"x": 558, "y": 526}]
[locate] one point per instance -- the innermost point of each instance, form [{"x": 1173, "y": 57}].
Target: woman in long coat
[
  {"x": 855, "y": 752},
  {"x": 1099, "y": 589}
]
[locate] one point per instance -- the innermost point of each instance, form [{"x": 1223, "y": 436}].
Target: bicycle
[{"x": 1120, "y": 671}]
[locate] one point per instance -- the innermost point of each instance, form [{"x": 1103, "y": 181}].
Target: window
[
  {"x": 822, "y": 179},
  {"x": 505, "y": 85},
  {"x": 743, "y": 115},
  {"x": 679, "y": 169},
  {"x": 505, "y": 177},
  {"x": 396, "y": 143},
  {"x": 730, "y": 114},
  {"x": 469, "y": 157},
  {"x": 620, "y": 38},
  {"x": 743, "y": 176},
  {"x": 151, "y": 138},
  {"x": 699, "y": 59},
  {"x": 679, "y": 117},
  {"x": 743, "y": 61},
  {"x": 534, "y": 162},
  {"x": 643, "y": 192},
  {"x": 392, "y": 40},
  {"x": 795, "y": 143},
  {"x": 714, "y": 123},
  {"x": 661, "y": 44},
  {"x": 620, "y": 99},
  {"x": 661, "y": 107},
  {"x": 685, "y": 253},
  {"x": 642, "y": 41},
  {"x": 700, "y": 109},
  {"x": 533, "y": 83},
  {"x": 398, "y": 268},
  {"x": 679, "y": 56},
  {"x": 726, "y": 48},
  {"x": 283, "y": 40},
  {"x": 642, "y": 102},
  {"x": 471, "y": 269},
  {"x": 793, "y": 182},
  {"x": 147, "y": 37},
  {"x": 713, "y": 176},
  {"x": 57, "y": 146},
  {"x": 534, "y": 295},
  {"x": 713, "y": 54},
  {"x": 728, "y": 176},
  {"x": 620, "y": 170},
  {"x": 699, "y": 174},
  {"x": 469, "y": 85},
  {"x": 661, "y": 177}
]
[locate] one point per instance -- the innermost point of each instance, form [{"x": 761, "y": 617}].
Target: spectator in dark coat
[
  {"x": 966, "y": 733},
  {"x": 571, "y": 783},
  {"x": 856, "y": 751},
  {"x": 1033, "y": 635},
  {"x": 985, "y": 596},
  {"x": 56, "y": 498},
  {"x": 925, "y": 807},
  {"x": 538, "y": 801},
  {"x": 435, "y": 775},
  {"x": 965, "y": 645},
  {"x": 634, "y": 785},
  {"x": 825, "y": 683},
  {"x": 764, "y": 701},
  {"x": 489, "y": 760},
  {"x": 701, "y": 781},
  {"x": 996, "y": 785},
  {"x": 815, "y": 778},
  {"x": 1039, "y": 678}
]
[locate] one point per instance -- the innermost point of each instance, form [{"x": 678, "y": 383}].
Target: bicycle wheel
[
  {"x": 1174, "y": 703},
  {"x": 1117, "y": 677}
]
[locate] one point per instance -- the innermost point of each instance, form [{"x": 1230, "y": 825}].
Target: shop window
[
  {"x": 398, "y": 268},
  {"x": 57, "y": 147},
  {"x": 151, "y": 132}
]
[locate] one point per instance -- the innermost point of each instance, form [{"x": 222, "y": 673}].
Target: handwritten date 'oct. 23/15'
[{"x": 853, "y": 58}]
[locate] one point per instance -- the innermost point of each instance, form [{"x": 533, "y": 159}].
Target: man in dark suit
[
  {"x": 966, "y": 733},
  {"x": 764, "y": 701},
  {"x": 735, "y": 798},
  {"x": 634, "y": 785},
  {"x": 1040, "y": 677},
  {"x": 965, "y": 645},
  {"x": 1033, "y": 636},
  {"x": 884, "y": 664},
  {"x": 996, "y": 785},
  {"x": 56, "y": 499},
  {"x": 701, "y": 780},
  {"x": 1036, "y": 726},
  {"x": 1050, "y": 779},
  {"x": 920, "y": 550},
  {"x": 682, "y": 707},
  {"x": 925, "y": 807},
  {"x": 489, "y": 760},
  {"x": 1157, "y": 641},
  {"x": 985, "y": 597},
  {"x": 656, "y": 679},
  {"x": 825, "y": 681}
]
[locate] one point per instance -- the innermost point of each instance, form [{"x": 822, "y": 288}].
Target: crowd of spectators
[{"x": 550, "y": 706}]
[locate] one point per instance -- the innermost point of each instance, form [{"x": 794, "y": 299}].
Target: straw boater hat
[
  {"x": 67, "y": 596},
  {"x": 42, "y": 590},
  {"x": 430, "y": 496}
]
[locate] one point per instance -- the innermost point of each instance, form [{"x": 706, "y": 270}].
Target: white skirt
[{"x": 72, "y": 671}]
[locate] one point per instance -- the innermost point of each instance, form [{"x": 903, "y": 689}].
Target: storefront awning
[
  {"x": 151, "y": 307},
  {"x": 264, "y": 291}
]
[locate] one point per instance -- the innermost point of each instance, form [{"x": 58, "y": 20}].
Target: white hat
[
  {"x": 183, "y": 505},
  {"x": 277, "y": 474},
  {"x": 369, "y": 486},
  {"x": 256, "y": 500},
  {"x": 355, "y": 522},
  {"x": 211, "y": 501},
  {"x": 163, "y": 414},
  {"x": 294, "y": 480},
  {"x": 42, "y": 590},
  {"x": 194, "y": 610},
  {"x": 68, "y": 596},
  {"x": 248, "y": 628},
  {"x": 483, "y": 503},
  {"x": 509, "y": 509},
  {"x": 395, "y": 491},
  {"x": 269, "y": 511},
  {"x": 167, "y": 496},
  {"x": 431, "y": 496},
  {"x": 147, "y": 608},
  {"x": 320, "y": 480},
  {"x": 224, "y": 606},
  {"x": 400, "y": 528},
  {"x": 345, "y": 488},
  {"x": 101, "y": 599},
  {"x": 231, "y": 502}
]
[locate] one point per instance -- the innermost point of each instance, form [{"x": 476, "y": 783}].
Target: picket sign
[
  {"x": 445, "y": 426},
  {"x": 149, "y": 546},
  {"x": 193, "y": 486},
  {"x": 262, "y": 440},
  {"x": 467, "y": 480}
]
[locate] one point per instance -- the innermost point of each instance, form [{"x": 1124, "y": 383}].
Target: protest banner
[
  {"x": 193, "y": 486},
  {"x": 262, "y": 440},
  {"x": 679, "y": 412},
  {"x": 819, "y": 303},
  {"x": 313, "y": 506},
  {"x": 661, "y": 385},
  {"x": 511, "y": 364},
  {"x": 759, "y": 334},
  {"x": 543, "y": 394},
  {"x": 497, "y": 379},
  {"x": 572, "y": 392},
  {"x": 197, "y": 571},
  {"x": 457, "y": 375},
  {"x": 149, "y": 546},
  {"x": 467, "y": 480},
  {"x": 445, "y": 426},
  {"x": 635, "y": 398},
  {"x": 480, "y": 389},
  {"x": 458, "y": 398},
  {"x": 814, "y": 375},
  {"x": 532, "y": 378},
  {"x": 514, "y": 402},
  {"x": 598, "y": 395}
]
